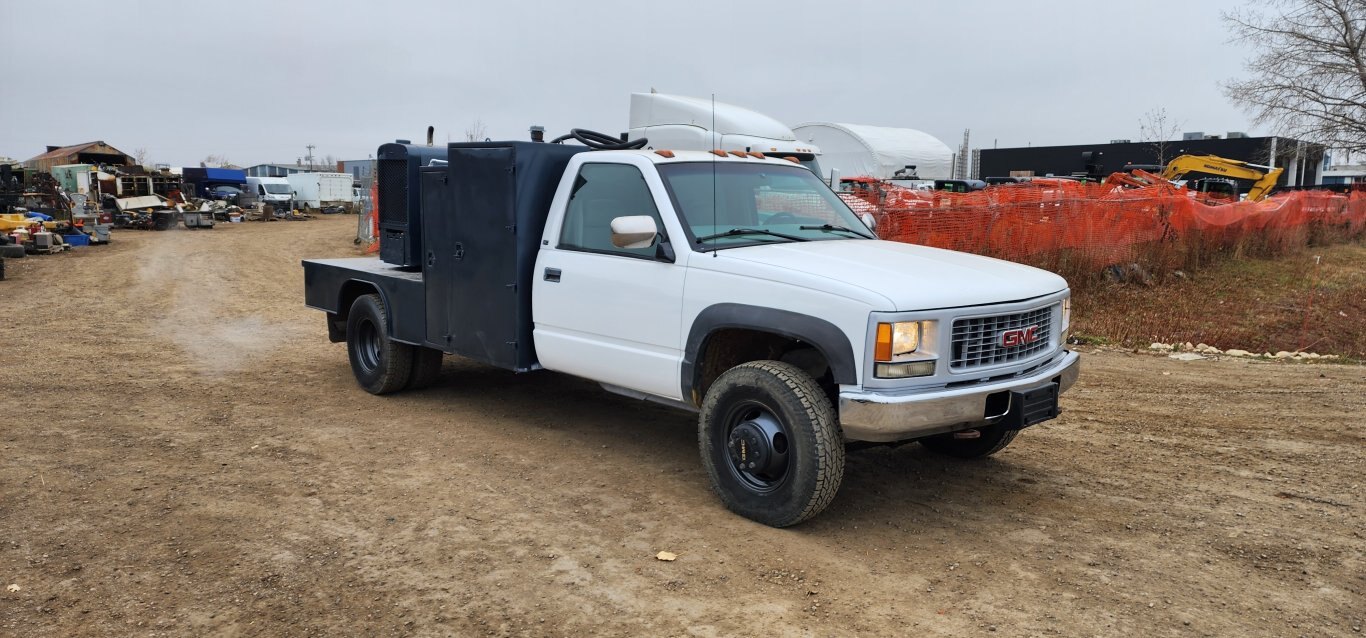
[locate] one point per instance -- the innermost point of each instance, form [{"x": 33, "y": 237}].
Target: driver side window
[{"x": 603, "y": 192}]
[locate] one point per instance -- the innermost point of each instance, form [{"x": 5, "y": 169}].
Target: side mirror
[
  {"x": 869, "y": 221},
  {"x": 635, "y": 231}
]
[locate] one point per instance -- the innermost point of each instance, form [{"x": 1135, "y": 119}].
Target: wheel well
[
  {"x": 350, "y": 291},
  {"x": 729, "y": 347}
]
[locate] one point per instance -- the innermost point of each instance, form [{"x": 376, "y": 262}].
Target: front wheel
[
  {"x": 381, "y": 365},
  {"x": 771, "y": 443}
]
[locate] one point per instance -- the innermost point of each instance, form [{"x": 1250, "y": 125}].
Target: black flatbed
[{"x": 481, "y": 220}]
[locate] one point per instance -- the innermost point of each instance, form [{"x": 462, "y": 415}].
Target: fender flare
[{"x": 824, "y": 336}]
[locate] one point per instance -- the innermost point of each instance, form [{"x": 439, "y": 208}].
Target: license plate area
[{"x": 1035, "y": 405}]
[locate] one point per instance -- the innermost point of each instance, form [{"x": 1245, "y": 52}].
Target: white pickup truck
[{"x": 731, "y": 284}]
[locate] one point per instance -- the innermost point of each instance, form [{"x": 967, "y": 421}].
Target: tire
[
  {"x": 381, "y": 365},
  {"x": 776, "y": 415},
  {"x": 12, "y": 251},
  {"x": 426, "y": 368},
  {"x": 993, "y": 440}
]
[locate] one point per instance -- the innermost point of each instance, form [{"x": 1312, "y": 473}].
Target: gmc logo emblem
[{"x": 1018, "y": 336}]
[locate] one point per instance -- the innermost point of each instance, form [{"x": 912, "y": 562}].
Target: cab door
[{"x": 606, "y": 313}]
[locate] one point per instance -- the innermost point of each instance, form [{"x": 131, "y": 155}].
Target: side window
[{"x": 603, "y": 192}]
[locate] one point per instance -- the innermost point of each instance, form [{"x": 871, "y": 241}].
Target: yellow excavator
[{"x": 1263, "y": 177}]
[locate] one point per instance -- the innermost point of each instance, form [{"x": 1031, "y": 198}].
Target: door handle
[
  {"x": 431, "y": 258},
  {"x": 552, "y": 275}
]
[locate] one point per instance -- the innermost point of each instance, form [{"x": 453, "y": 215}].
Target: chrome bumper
[{"x": 884, "y": 417}]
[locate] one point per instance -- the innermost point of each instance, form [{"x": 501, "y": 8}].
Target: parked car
[{"x": 229, "y": 194}]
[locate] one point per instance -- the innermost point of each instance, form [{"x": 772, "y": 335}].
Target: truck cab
[{"x": 728, "y": 283}]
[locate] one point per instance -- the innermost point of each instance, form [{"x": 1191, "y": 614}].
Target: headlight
[
  {"x": 1066, "y": 313},
  {"x": 895, "y": 339}
]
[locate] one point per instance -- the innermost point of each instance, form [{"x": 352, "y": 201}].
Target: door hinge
[{"x": 513, "y": 286}]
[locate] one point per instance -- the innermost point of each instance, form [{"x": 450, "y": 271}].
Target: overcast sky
[{"x": 257, "y": 81}]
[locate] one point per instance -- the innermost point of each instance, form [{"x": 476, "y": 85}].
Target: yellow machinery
[
  {"x": 11, "y": 221},
  {"x": 1263, "y": 177}
]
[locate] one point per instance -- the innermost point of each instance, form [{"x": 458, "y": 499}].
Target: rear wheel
[
  {"x": 992, "y": 439},
  {"x": 381, "y": 365},
  {"x": 771, "y": 443},
  {"x": 426, "y": 367}
]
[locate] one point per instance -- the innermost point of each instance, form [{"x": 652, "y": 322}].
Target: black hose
[{"x": 600, "y": 141}]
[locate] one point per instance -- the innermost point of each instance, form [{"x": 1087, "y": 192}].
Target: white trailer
[
  {"x": 321, "y": 190},
  {"x": 680, "y": 123}
]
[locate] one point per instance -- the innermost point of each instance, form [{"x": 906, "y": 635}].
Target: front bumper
[{"x": 884, "y": 416}]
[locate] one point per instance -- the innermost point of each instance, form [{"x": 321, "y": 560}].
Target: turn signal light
[
  {"x": 904, "y": 370},
  {"x": 883, "y": 349}
]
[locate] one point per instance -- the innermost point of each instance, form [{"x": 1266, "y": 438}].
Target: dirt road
[{"x": 185, "y": 454}]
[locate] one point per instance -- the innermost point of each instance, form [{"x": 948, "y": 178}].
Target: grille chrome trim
[{"x": 975, "y": 341}]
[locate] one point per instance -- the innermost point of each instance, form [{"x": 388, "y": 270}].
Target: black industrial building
[{"x": 1302, "y": 161}]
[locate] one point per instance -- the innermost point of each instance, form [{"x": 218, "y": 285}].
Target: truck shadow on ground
[{"x": 904, "y": 486}]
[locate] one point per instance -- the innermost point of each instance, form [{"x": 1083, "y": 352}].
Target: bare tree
[
  {"x": 1309, "y": 79},
  {"x": 140, "y": 156},
  {"x": 476, "y": 132},
  {"x": 330, "y": 162},
  {"x": 1157, "y": 129},
  {"x": 215, "y": 161}
]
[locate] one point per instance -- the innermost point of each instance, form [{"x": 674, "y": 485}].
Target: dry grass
[{"x": 1260, "y": 304}]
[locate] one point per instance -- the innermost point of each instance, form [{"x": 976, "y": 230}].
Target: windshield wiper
[
  {"x": 830, "y": 227},
  {"x": 750, "y": 231}
]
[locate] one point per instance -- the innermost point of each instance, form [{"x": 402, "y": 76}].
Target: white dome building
[{"x": 859, "y": 150}]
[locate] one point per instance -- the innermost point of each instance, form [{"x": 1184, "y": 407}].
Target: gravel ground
[{"x": 185, "y": 454}]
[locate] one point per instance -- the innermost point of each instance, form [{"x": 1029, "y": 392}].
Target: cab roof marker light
[
  {"x": 663, "y": 153},
  {"x": 792, "y": 159},
  {"x": 719, "y": 153},
  {"x": 738, "y": 153},
  {"x": 757, "y": 155}
]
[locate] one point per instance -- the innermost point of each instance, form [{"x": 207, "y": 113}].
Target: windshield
[
  {"x": 725, "y": 204},
  {"x": 277, "y": 189}
]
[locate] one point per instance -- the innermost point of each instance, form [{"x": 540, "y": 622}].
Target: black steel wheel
[
  {"x": 381, "y": 365},
  {"x": 771, "y": 443},
  {"x": 991, "y": 439}
]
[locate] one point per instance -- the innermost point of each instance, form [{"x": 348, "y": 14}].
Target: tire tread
[{"x": 813, "y": 401}]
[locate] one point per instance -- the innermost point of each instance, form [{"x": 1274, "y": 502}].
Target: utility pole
[{"x": 309, "y": 157}]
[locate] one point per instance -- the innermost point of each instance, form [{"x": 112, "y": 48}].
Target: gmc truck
[{"x": 727, "y": 283}]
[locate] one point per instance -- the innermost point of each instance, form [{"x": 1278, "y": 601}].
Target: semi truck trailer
[{"x": 731, "y": 284}]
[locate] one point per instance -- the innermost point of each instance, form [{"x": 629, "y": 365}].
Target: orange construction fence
[{"x": 1055, "y": 223}]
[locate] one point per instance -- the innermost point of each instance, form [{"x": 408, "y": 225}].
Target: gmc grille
[
  {"x": 978, "y": 342},
  {"x": 393, "y": 191}
]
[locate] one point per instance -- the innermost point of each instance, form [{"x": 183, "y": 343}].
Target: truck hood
[{"x": 910, "y": 277}]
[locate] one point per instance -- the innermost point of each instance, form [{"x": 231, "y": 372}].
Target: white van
[{"x": 270, "y": 190}]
